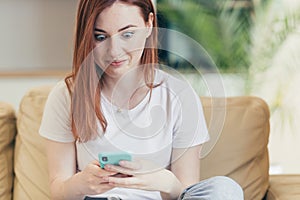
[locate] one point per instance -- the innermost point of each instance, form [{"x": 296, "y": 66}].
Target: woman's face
[{"x": 120, "y": 34}]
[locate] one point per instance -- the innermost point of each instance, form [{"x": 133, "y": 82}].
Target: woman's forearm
[
  {"x": 66, "y": 189},
  {"x": 174, "y": 189}
]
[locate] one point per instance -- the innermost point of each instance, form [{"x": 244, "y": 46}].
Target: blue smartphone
[{"x": 113, "y": 158}]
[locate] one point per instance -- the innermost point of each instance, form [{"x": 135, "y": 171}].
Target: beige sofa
[{"x": 240, "y": 151}]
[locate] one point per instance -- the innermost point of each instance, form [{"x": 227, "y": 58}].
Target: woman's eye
[
  {"x": 100, "y": 37},
  {"x": 127, "y": 35}
]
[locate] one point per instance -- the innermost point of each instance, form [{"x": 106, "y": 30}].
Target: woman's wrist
[
  {"x": 73, "y": 186},
  {"x": 67, "y": 189},
  {"x": 173, "y": 188}
]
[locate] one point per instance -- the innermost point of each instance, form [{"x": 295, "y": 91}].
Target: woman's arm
[
  {"x": 186, "y": 165},
  {"x": 62, "y": 168},
  {"x": 65, "y": 183}
]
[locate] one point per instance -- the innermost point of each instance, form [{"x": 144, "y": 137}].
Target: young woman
[{"x": 117, "y": 100}]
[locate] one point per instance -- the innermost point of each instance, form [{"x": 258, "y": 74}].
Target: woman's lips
[{"x": 117, "y": 63}]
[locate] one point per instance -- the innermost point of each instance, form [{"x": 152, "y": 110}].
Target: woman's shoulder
[
  {"x": 176, "y": 86},
  {"x": 60, "y": 91},
  {"x": 60, "y": 87},
  {"x": 171, "y": 79}
]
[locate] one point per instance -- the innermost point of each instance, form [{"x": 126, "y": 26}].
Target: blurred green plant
[
  {"x": 273, "y": 70},
  {"x": 222, "y": 29},
  {"x": 273, "y": 25}
]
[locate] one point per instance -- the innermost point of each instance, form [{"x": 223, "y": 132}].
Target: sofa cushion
[
  {"x": 284, "y": 187},
  {"x": 239, "y": 129},
  {"x": 7, "y": 135},
  {"x": 31, "y": 176}
]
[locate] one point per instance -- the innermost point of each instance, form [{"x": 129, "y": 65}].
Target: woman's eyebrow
[
  {"x": 126, "y": 27},
  {"x": 121, "y": 29},
  {"x": 99, "y": 30}
]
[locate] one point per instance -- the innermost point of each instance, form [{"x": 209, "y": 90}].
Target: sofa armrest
[
  {"x": 284, "y": 187},
  {"x": 7, "y": 136},
  {"x": 239, "y": 132}
]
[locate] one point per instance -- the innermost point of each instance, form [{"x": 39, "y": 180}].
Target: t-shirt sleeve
[
  {"x": 190, "y": 127},
  {"x": 56, "y": 122}
]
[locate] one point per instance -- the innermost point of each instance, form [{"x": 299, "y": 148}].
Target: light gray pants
[{"x": 215, "y": 188}]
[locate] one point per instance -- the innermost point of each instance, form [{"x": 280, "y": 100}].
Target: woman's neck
[{"x": 125, "y": 91}]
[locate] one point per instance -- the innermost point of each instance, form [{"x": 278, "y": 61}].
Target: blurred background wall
[
  {"x": 36, "y": 39},
  {"x": 36, "y": 34}
]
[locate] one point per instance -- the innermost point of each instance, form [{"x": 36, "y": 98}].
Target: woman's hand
[
  {"x": 144, "y": 175},
  {"x": 93, "y": 179},
  {"x": 67, "y": 184}
]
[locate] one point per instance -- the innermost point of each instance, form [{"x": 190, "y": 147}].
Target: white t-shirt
[{"x": 173, "y": 118}]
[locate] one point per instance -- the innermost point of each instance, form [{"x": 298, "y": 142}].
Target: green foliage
[
  {"x": 274, "y": 68},
  {"x": 220, "y": 29},
  {"x": 272, "y": 28}
]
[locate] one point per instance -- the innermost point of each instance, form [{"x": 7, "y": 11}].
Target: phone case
[{"x": 112, "y": 158}]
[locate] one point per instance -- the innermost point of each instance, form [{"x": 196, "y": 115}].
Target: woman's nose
[{"x": 114, "y": 49}]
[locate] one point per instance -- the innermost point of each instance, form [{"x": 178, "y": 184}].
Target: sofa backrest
[
  {"x": 240, "y": 150},
  {"x": 31, "y": 176},
  {"x": 239, "y": 130},
  {"x": 7, "y": 136}
]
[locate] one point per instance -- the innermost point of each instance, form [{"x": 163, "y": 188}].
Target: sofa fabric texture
[
  {"x": 7, "y": 135},
  {"x": 284, "y": 187},
  {"x": 238, "y": 126},
  {"x": 31, "y": 176},
  {"x": 239, "y": 130}
]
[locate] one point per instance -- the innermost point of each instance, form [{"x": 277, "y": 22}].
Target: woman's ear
[{"x": 149, "y": 24}]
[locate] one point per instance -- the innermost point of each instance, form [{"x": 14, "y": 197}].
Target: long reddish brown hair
[{"x": 84, "y": 83}]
